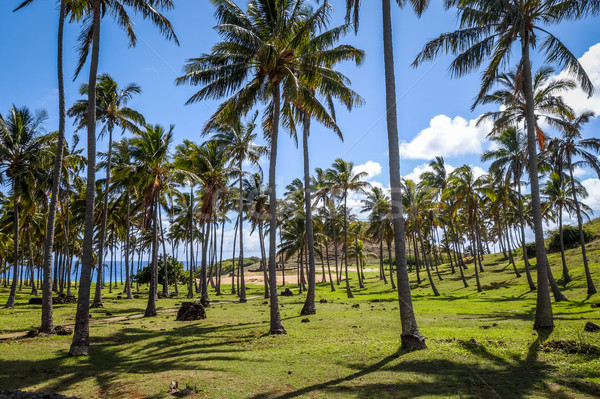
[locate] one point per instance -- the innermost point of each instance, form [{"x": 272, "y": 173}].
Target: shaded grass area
[{"x": 481, "y": 345}]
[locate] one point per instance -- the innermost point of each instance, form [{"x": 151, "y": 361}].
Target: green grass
[{"x": 481, "y": 345}]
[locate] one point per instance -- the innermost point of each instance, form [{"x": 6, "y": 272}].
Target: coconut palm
[
  {"x": 112, "y": 112},
  {"x": 239, "y": 140},
  {"x": 23, "y": 148},
  {"x": 256, "y": 61},
  {"x": 559, "y": 196},
  {"x": 411, "y": 337},
  {"x": 342, "y": 178},
  {"x": 570, "y": 147},
  {"x": 510, "y": 158},
  {"x": 90, "y": 38},
  {"x": 488, "y": 29},
  {"x": 377, "y": 204}
]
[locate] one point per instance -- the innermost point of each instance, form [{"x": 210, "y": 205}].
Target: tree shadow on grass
[
  {"x": 136, "y": 351},
  {"x": 491, "y": 377}
]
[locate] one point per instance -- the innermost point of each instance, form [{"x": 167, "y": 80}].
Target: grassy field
[{"x": 481, "y": 345}]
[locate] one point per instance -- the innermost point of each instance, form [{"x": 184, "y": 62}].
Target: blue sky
[{"x": 433, "y": 110}]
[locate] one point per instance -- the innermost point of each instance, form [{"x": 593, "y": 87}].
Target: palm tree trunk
[
  {"x": 99, "y": 278},
  {"x": 237, "y": 224},
  {"x": 80, "y": 344},
  {"x": 391, "y": 264},
  {"x": 566, "y": 276},
  {"x": 416, "y": 253},
  {"x": 240, "y": 211},
  {"x": 335, "y": 253},
  {"x": 543, "y": 313},
  {"x": 591, "y": 289},
  {"x": 31, "y": 272},
  {"x": 522, "y": 221},
  {"x": 127, "y": 249},
  {"x": 276, "y": 326},
  {"x": 381, "y": 268},
  {"x": 15, "y": 278},
  {"x": 165, "y": 261},
  {"x": 221, "y": 257},
  {"x": 263, "y": 254},
  {"x": 427, "y": 268},
  {"x": 47, "y": 319},
  {"x": 205, "y": 238},
  {"x": 309, "y": 303},
  {"x": 411, "y": 337},
  {"x": 151, "y": 307},
  {"x": 345, "y": 247},
  {"x": 329, "y": 265},
  {"x": 190, "y": 293}
]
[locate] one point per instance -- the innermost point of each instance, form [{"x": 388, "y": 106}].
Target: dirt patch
[{"x": 571, "y": 347}]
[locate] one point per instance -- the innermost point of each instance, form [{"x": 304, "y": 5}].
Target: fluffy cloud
[
  {"x": 593, "y": 189},
  {"x": 590, "y": 61},
  {"x": 371, "y": 168},
  {"x": 446, "y": 137}
]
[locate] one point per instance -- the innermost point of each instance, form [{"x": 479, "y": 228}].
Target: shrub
[
  {"x": 174, "y": 267},
  {"x": 570, "y": 238}
]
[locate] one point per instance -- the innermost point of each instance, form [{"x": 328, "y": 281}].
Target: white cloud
[
  {"x": 446, "y": 137},
  {"x": 371, "y": 168},
  {"x": 593, "y": 188},
  {"x": 579, "y": 172},
  {"x": 577, "y": 99}
]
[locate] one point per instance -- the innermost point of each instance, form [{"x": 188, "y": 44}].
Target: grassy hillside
[{"x": 481, "y": 345}]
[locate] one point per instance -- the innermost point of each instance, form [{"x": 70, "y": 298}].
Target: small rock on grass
[
  {"x": 306, "y": 320},
  {"x": 591, "y": 327}
]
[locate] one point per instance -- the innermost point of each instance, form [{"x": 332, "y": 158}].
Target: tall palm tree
[
  {"x": 257, "y": 198},
  {"x": 342, "y": 178},
  {"x": 572, "y": 145},
  {"x": 22, "y": 150},
  {"x": 90, "y": 38},
  {"x": 75, "y": 9},
  {"x": 558, "y": 192},
  {"x": 257, "y": 61},
  {"x": 152, "y": 171},
  {"x": 411, "y": 337},
  {"x": 510, "y": 158},
  {"x": 377, "y": 204},
  {"x": 239, "y": 139},
  {"x": 488, "y": 29},
  {"x": 112, "y": 111}
]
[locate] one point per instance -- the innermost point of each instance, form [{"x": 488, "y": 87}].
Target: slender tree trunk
[
  {"x": 566, "y": 277},
  {"x": 416, "y": 253},
  {"x": 427, "y": 268},
  {"x": 31, "y": 272},
  {"x": 591, "y": 289},
  {"x": 99, "y": 278},
  {"x": 151, "y": 307},
  {"x": 15, "y": 278},
  {"x": 190, "y": 293},
  {"x": 345, "y": 247},
  {"x": 411, "y": 337},
  {"x": 206, "y": 238},
  {"x": 165, "y": 262},
  {"x": 242, "y": 290},
  {"x": 381, "y": 262},
  {"x": 335, "y": 254},
  {"x": 329, "y": 265},
  {"x": 237, "y": 225},
  {"x": 309, "y": 303},
  {"x": 543, "y": 313},
  {"x": 276, "y": 326},
  {"x": 81, "y": 341},
  {"x": 127, "y": 248},
  {"x": 221, "y": 257},
  {"x": 391, "y": 263},
  {"x": 263, "y": 255},
  {"x": 522, "y": 221}
]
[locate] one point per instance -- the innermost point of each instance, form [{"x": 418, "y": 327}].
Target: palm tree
[
  {"x": 75, "y": 8},
  {"x": 377, "y": 204},
  {"x": 342, "y": 178},
  {"x": 256, "y": 61},
  {"x": 558, "y": 191},
  {"x": 22, "y": 151},
  {"x": 411, "y": 337},
  {"x": 488, "y": 29},
  {"x": 90, "y": 38},
  {"x": 257, "y": 198},
  {"x": 510, "y": 158},
  {"x": 152, "y": 171},
  {"x": 571, "y": 146},
  {"x": 239, "y": 139},
  {"x": 112, "y": 112}
]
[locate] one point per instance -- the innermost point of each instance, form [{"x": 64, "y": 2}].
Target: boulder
[
  {"x": 191, "y": 311},
  {"x": 287, "y": 292},
  {"x": 63, "y": 330},
  {"x": 591, "y": 327},
  {"x": 35, "y": 301},
  {"x": 63, "y": 299}
]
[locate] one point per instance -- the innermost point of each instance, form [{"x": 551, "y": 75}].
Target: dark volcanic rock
[
  {"x": 591, "y": 327},
  {"x": 63, "y": 330},
  {"x": 63, "y": 299},
  {"x": 191, "y": 311},
  {"x": 287, "y": 292},
  {"x": 35, "y": 301},
  {"x": 323, "y": 300}
]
